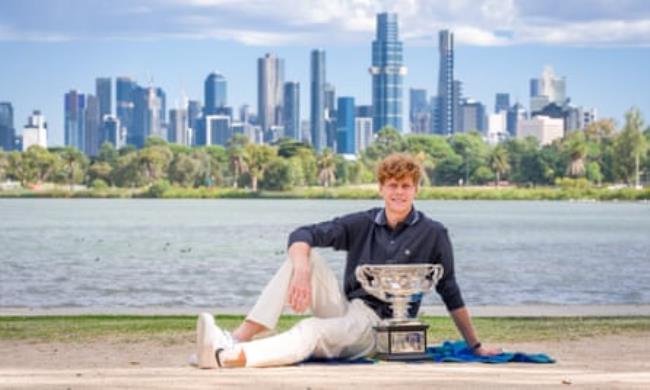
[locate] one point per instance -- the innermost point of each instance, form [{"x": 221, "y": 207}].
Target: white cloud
[
  {"x": 308, "y": 22},
  {"x": 597, "y": 33}
]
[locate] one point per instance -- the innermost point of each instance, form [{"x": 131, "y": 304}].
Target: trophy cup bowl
[{"x": 400, "y": 337}]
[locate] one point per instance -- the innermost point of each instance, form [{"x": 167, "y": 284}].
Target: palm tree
[
  {"x": 326, "y": 168},
  {"x": 236, "y": 156},
  {"x": 498, "y": 161},
  {"x": 73, "y": 161},
  {"x": 577, "y": 149},
  {"x": 256, "y": 157}
]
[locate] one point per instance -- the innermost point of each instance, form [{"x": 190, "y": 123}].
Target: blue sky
[{"x": 49, "y": 47}]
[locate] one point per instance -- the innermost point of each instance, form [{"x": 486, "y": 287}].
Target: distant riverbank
[{"x": 164, "y": 190}]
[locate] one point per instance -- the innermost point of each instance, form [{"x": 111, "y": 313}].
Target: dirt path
[{"x": 613, "y": 362}]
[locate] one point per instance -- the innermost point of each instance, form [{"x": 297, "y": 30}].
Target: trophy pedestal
[{"x": 401, "y": 342}]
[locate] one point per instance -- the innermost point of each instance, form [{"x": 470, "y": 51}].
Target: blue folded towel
[
  {"x": 459, "y": 351},
  {"x": 452, "y": 352}
]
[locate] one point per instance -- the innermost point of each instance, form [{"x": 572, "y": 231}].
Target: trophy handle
[
  {"x": 363, "y": 274},
  {"x": 434, "y": 275}
]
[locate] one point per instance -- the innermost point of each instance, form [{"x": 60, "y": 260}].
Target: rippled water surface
[{"x": 114, "y": 253}]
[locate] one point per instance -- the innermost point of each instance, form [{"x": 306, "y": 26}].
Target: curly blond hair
[{"x": 399, "y": 166}]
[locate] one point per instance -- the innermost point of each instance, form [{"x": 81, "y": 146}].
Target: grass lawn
[{"x": 178, "y": 329}]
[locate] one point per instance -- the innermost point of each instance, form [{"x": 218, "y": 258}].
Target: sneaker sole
[{"x": 205, "y": 352}]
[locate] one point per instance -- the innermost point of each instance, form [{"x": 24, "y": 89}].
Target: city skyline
[{"x": 611, "y": 79}]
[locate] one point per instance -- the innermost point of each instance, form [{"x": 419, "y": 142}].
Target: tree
[
  {"x": 482, "y": 175},
  {"x": 126, "y": 149},
  {"x": 127, "y": 171},
  {"x": 184, "y": 170},
  {"x": 630, "y": 148},
  {"x": 19, "y": 170},
  {"x": 154, "y": 160},
  {"x": 388, "y": 141},
  {"x": 326, "y": 168},
  {"x": 154, "y": 140},
  {"x": 472, "y": 149},
  {"x": 576, "y": 148},
  {"x": 289, "y": 147},
  {"x": 599, "y": 136},
  {"x": 100, "y": 170},
  {"x": 107, "y": 154},
  {"x": 277, "y": 176},
  {"x": 498, "y": 162},
  {"x": 449, "y": 170},
  {"x": 594, "y": 173},
  {"x": 4, "y": 164},
  {"x": 236, "y": 161},
  {"x": 256, "y": 158},
  {"x": 74, "y": 165},
  {"x": 41, "y": 161},
  {"x": 434, "y": 146}
]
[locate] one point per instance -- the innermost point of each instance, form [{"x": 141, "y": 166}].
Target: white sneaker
[{"x": 210, "y": 338}]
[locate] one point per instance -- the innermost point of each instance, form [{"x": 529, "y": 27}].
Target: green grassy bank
[
  {"x": 343, "y": 192},
  {"x": 178, "y": 329}
]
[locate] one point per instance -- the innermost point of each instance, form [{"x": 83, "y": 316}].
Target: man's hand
[
  {"x": 299, "y": 294},
  {"x": 300, "y": 290},
  {"x": 488, "y": 351}
]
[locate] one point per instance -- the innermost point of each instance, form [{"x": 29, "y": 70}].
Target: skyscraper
[
  {"x": 91, "y": 126},
  {"x": 124, "y": 88},
  {"x": 419, "y": 113},
  {"x": 345, "y": 122},
  {"x": 317, "y": 102},
  {"x": 103, "y": 93},
  {"x": 215, "y": 93},
  {"x": 447, "y": 108},
  {"x": 472, "y": 116},
  {"x": 193, "y": 118},
  {"x": 178, "y": 127},
  {"x": 387, "y": 74},
  {"x": 218, "y": 129},
  {"x": 270, "y": 82},
  {"x": 75, "y": 121},
  {"x": 146, "y": 116},
  {"x": 330, "y": 116},
  {"x": 7, "y": 129},
  {"x": 162, "y": 113},
  {"x": 515, "y": 114},
  {"x": 291, "y": 115},
  {"x": 546, "y": 90},
  {"x": 501, "y": 102},
  {"x": 111, "y": 131}
]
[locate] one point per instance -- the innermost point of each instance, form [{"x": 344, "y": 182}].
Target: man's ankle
[{"x": 233, "y": 358}]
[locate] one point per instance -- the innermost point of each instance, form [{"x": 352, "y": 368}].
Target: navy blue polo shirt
[{"x": 368, "y": 239}]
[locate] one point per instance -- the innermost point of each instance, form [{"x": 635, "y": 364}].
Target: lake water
[{"x": 219, "y": 253}]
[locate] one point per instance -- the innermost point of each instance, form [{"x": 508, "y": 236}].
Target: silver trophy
[{"x": 400, "y": 337}]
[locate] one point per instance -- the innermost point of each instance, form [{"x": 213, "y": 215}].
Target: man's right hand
[
  {"x": 300, "y": 290},
  {"x": 299, "y": 294}
]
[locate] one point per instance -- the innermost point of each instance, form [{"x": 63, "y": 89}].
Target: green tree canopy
[{"x": 630, "y": 148}]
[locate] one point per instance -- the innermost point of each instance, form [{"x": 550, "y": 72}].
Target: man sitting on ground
[{"x": 342, "y": 322}]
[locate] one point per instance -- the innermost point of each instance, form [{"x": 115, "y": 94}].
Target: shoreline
[
  {"x": 543, "y": 310},
  {"x": 366, "y": 192}
]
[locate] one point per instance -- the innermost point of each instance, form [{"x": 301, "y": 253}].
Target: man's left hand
[{"x": 487, "y": 351}]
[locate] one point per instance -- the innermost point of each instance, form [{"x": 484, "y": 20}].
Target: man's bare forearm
[
  {"x": 299, "y": 255},
  {"x": 463, "y": 322}
]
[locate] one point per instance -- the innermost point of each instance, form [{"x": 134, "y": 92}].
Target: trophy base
[{"x": 401, "y": 341}]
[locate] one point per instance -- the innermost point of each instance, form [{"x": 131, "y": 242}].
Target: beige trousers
[{"x": 338, "y": 328}]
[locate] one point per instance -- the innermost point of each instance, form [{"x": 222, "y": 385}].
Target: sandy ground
[{"x": 612, "y": 362}]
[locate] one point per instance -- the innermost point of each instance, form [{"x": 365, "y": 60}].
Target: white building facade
[
  {"x": 35, "y": 131},
  {"x": 544, "y": 128}
]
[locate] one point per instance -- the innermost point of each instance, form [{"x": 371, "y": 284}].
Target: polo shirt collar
[{"x": 411, "y": 218}]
